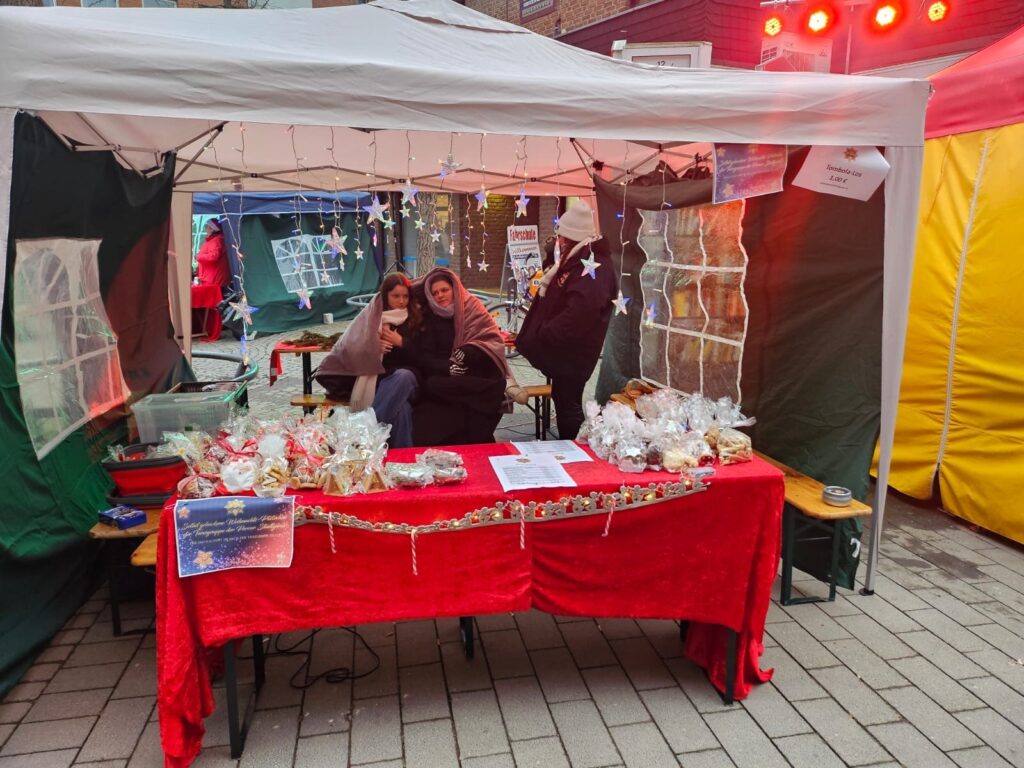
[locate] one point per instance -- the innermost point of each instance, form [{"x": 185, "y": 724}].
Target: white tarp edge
[{"x": 6, "y": 171}]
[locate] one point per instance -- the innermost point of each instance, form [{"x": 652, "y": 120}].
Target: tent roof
[
  {"x": 985, "y": 90},
  {"x": 398, "y": 79}
]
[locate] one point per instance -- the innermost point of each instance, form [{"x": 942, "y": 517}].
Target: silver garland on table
[{"x": 511, "y": 512}]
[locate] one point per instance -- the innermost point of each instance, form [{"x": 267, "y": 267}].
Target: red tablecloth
[
  {"x": 205, "y": 299},
  {"x": 710, "y": 557}
]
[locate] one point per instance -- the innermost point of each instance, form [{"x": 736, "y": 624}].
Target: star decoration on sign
[
  {"x": 204, "y": 559},
  {"x": 409, "y": 193},
  {"x": 521, "y": 203},
  {"x": 235, "y": 507},
  {"x": 728, "y": 189},
  {"x": 620, "y": 304},
  {"x": 304, "y": 298},
  {"x": 720, "y": 152},
  {"x": 435, "y": 236},
  {"x": 376, "y": 210},
  {"x": 590, "y": 266},
  {"x": 419, "y": 223},
  {"x": 449, "y": 166},
  {"x": 481, "y": 199},
  {"x": 183, "y": 513},
  {"x": 243, "y": 310},
  {"x": 482, "y": 266},
  {"x": 850, "y": 153}
]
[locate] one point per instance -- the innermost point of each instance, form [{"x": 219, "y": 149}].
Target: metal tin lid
[{"x": 836, "y": 495}]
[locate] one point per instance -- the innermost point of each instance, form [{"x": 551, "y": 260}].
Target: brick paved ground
[{"x": 928, "y": 672}]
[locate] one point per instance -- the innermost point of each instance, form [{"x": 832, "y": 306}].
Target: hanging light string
[
  {"x": 300, "y": 254},
  {"x": 241, "y": 307},
  {"x": 482, "y": 265},
  {"x": 621, "y": 300},
  {"x": 338, "y": 236},
  {"x": 666, "y": 271}
]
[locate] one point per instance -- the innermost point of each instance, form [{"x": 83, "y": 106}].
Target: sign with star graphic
[
  {"x": 854, "y": 172},
  {"x": 748, "y": 170},
  {"x": 233, "y": 532}
]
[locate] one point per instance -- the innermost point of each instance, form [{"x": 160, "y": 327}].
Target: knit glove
[{"x": 458, "y": 366}]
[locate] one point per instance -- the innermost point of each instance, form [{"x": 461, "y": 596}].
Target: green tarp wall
[
  {"x": 48, "y": 566},
  {"x": 812, "y": 357},
  {"x": 279, "y": 310}
]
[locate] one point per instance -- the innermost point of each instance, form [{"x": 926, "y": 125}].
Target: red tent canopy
[{"x": 985, "y": 90}]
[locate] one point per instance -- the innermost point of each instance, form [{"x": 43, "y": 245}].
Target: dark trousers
[{"x": 567, "y": 397}]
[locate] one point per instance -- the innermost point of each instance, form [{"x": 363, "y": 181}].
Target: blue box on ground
[{"x": 122, "y": 517}]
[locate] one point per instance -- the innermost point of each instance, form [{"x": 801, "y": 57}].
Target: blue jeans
[{"x": 392, "y": 405}]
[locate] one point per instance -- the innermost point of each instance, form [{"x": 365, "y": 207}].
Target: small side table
[{"x": 114, "y": 538}]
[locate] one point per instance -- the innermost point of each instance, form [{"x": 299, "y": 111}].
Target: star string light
[
  {"x": 482, "y": 266},
  {"x": 376, "y": 210},
  {"x": 590, "y": 266},
  {"x": 409, "y": 193},
  {"x": 522, "y": 202},
  {"x": 304, "y": 301},
  {"x": 449, "y": 166},
  {"x": 243, "y": 310},
  {"x": 620, "y": 303},
  {"x": 481, "y": 199}
]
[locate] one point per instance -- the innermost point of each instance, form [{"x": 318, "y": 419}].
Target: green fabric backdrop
[
  {"x": 278, "y": 309},
  {"x": 48, "y": 566}
]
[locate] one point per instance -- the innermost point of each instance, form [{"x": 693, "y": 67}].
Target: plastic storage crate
[
  {"x": 240, "y": 390},
  {"x": 181, "y": 412}
]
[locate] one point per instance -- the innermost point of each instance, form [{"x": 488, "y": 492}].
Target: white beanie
[{"x": 577, "y": 223}]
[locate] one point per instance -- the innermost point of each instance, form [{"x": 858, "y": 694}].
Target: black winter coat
[{"x": 564, "y": 331}]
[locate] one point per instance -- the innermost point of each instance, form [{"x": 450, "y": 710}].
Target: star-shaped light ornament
[
  {"x": 243, "y": 348},
  {"x": 469, "y": 262},
  {"x": 304, "y": 299},
  {"x": 419, "y": 223},
  {"x": 359, "y": 253},
  {"x": 388, "y": 223},
  {"x": 481, "y": 199},
  {"x": 235, "y": 507},
  {"x": 449, "y": 166},
  {"x": 375, "y": 210},
  {"x": 243, "y": 310},
  {"x": 521, "y": 203},
  {"x": 650, "y": 314},
  {"x": 482, "y": 266},
  {"x": 409, "y": 193},
  {"x": 620, "y": 303},
  {"x": 338, "y": 243},
  {"x": 435, "y": 236},
  {"x": 451, "y": 248},
  {"x": 850, "y": 153},
  {"x": 590, "y": 266}
]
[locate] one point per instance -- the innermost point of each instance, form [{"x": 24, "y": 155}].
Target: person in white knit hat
[{"x": 564, "y": 330}]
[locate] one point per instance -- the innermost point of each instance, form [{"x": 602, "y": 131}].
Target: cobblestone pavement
[{"x": 927, "y": 672}]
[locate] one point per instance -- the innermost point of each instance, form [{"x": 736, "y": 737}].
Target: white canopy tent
[{"x": 367, "y": 96}]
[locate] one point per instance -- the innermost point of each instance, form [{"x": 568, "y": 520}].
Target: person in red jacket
[{"x": 213, "y": 258}]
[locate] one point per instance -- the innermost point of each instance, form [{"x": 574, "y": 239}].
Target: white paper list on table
[
  {"x": 563, "y": 451},
  {"x": 520, "y": 472}
]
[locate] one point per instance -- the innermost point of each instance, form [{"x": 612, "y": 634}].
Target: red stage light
[
  {"x": 820, "y": 19},
  {"x": 887, "y": 16},
  {"x": 772, "y": 26},
  {"x": 938, "y": 11}
]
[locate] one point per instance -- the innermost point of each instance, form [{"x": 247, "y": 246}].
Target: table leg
[
  {"x": 235, "y": 736},
  {"x": 788, "y": 534},
  {"x": 113, "y": 572},
  {"x": 258, "y": 661},
  {"x": 466, "y": 634},
  {"x": 730, "y": 667},
  {"x": 307, "y": 373}
]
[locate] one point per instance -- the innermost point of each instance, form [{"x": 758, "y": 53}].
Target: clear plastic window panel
[
  {"x": 695, "y": 312},
  {"x": 65, "y": 351},
  {"x": 307, "y": 262}
]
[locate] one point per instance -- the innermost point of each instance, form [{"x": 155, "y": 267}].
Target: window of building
[
  {"x": 695, "y": 312},
  {"x": 65, "y": 352},
  {"x": 530, "y": 9},
  {"x": 306, "y": 262},
  {"x": 159, "y": 3},
  {"x": 99, "y": 3}
]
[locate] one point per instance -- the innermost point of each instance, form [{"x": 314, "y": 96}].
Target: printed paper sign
[
  {"x": 562, "y": 451},
  {"x": 524, "y": 250},
  {"x": 748, "y": 170},
  {"x": 854, "y": 172},
  {"x": 233, "y": 532},
  {"x": 518, "y": 472}
]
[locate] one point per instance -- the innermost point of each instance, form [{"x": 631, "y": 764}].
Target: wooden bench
[
  {"x": 115, "y": 538},
  {"x": 144, "y": 555},
  {"x": 803, "y": 496},
  {"x": 310, "y": 403},
  {"x": 541, "y": 396}
]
